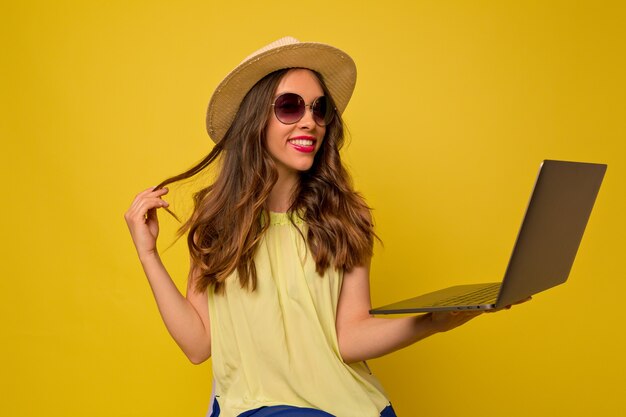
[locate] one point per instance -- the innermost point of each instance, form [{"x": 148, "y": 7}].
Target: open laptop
[{"x": 546, "y": 245}]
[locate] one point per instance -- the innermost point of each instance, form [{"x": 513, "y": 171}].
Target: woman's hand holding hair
[
  {"x": 186, "y": 318},
  {"x": 142, "y": 221}
]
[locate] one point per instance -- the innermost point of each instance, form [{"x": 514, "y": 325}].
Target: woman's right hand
[{"x": 142, "y": 221}]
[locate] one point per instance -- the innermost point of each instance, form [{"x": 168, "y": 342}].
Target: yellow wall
[{"x": 456, "y": 105}]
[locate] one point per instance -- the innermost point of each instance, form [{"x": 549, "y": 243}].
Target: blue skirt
[{"x": 289, "y": 411}]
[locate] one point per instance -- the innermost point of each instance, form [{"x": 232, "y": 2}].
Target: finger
[
  {"x": 473, "y": 314},
  {"x": 151, "y": 216},
  {"x": 151, "y": 192},
  {"x": 466, "y": 312},
  {"x": 151, "y": 203},
  {"x": 146, "y": 191},
  {"x": 155, "y": 193},
  {"x": 159, "y": 192},
  {"x": 508, "y": 307},
  {"x": 139, "y": 209}
]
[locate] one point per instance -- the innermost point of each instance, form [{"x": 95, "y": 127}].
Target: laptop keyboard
[{"x": 486, "y": 295}]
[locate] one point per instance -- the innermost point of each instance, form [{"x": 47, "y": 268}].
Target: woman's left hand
[{"x": 442, "y": 321}]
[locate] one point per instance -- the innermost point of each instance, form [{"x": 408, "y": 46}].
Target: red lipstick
[{"x": 304, "y": 144}]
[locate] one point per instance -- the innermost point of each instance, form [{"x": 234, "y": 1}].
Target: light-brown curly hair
[{"x": 227, "y": 222}]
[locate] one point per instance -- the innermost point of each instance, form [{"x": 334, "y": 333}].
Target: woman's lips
[{"x": 305, "y": 144}]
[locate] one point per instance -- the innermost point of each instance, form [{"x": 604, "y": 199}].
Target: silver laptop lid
[{"x": 555, "y": 220}]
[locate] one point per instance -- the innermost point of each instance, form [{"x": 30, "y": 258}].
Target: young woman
[{"x": 280, "y": 244}]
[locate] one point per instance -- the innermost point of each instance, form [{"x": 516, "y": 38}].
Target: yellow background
[{"x": 456, "y": 105}]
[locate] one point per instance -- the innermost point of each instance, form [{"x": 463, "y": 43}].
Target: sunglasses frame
[{"x": 330, "y": 114}]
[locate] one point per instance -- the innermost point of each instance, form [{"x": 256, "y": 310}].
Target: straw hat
[{"x": 336, "y": 67}]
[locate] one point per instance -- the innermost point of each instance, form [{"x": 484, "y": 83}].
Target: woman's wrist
[{"x": 149, "y": 257}]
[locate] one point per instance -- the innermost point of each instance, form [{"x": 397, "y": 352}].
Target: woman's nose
[{"x": 307, "y": 120}]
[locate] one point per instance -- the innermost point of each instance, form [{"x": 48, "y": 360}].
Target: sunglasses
[{"x": 289, "y": 108}]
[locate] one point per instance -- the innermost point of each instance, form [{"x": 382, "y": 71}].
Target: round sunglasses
[{"x": 289, "y": 108}]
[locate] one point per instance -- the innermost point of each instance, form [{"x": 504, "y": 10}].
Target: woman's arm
[
  {"x": 362, "y": 336},
  {"x": 186, "y": 318}
]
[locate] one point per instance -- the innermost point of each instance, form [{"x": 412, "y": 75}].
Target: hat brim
[{"x": 337, "y": 69}]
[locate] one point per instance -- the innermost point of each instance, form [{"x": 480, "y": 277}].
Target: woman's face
[{"x": 293, "y": 147}]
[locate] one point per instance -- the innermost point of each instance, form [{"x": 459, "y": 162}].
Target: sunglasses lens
[
  {"x": 322, "y": 113},
  {"x": 289, "y": 108}
]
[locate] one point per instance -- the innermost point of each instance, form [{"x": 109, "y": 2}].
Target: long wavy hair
[{"x": 230, "y": 215}]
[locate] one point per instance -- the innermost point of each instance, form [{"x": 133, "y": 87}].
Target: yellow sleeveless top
[{"x": 278, "y": 344}]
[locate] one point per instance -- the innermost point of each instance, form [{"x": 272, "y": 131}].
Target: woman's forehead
[{"x": 301, "y": 81}]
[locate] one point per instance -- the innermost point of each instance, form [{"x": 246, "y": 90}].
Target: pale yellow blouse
[{"x": 278, "y": 344}]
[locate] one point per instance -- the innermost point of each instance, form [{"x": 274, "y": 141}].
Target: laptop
[{"x": 546, "y": 245}]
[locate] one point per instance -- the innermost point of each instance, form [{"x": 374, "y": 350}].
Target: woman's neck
[{"x": 280, "y": 197}]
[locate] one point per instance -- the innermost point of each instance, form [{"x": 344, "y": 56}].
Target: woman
[{"x": 280, "y": 244}]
